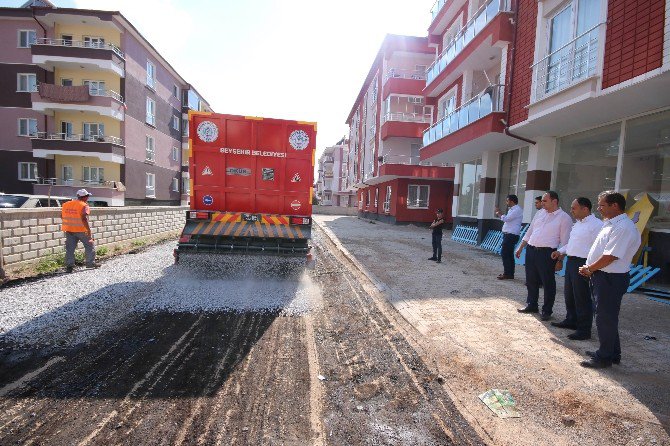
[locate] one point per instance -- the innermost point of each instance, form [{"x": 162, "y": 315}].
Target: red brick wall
[
  {"x": 634, "y": 40},
  {"x": 525, "y": 48}
]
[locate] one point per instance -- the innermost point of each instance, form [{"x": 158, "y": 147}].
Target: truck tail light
[
  {"x": 300, "y": 220},
  {"x": 199, "y": 215},
  {"x": 185, "y": 238}
]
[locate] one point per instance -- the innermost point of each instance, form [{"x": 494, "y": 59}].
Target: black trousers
[
  {"x": 540, "y": 270},
  {"x": 578, "y": 303},
  {"x": 608, "y": 290},
  {"x": 507, "y": 253},
  {"x": 437, "y": 245}
]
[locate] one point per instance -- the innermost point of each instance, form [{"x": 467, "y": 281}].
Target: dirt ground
[
  {"x": 466, "y": 326},
  {"x": 345, "y": 372}
]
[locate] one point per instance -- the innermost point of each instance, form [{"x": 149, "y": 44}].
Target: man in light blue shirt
[{"x": 511, "y": 229}]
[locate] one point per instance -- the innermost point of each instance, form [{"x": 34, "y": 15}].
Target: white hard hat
[{"x": 83, "y": 193}]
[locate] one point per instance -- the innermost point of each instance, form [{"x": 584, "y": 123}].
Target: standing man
[
  {"x": 548, "y": 231},
  {"x": 76, "y": 228},
  {"x": 608, "y": 265},
  {"x": 578, "y": 304},
  {"x": 511, "y": 229},
  {"x": 538, "y": 204},
  {"x": 437, "y": 226}
]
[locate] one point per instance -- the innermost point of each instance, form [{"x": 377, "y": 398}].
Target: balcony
[
  {"x": 403, "y": 124},
  {"x": 106, "y": 148},
  {"x": 112, "y": 192},
  {"x": 49, "y": 98},
  {"x": 328, "y": 159},
  {"x": 70, "y": 54},
  {"x": 569, "y": 65},
  {"x": 469, "y": 130},
  {"x": 393, "y": 166},
  {"x": 487, "y": 22},
  {"x": 402, "y": 81}
]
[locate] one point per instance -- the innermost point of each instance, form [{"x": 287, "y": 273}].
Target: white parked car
[{"x": 8, "y": 201}]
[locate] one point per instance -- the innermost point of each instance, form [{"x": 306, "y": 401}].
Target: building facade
[
  {"x": 576, "y": 98},
  {"x": 386, "y": 125},
  {"x": 331, "y": 178},
  {"x": 90, "y": 103}
]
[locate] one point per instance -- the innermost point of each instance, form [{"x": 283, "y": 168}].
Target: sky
[{"x": 289, "y": 59}]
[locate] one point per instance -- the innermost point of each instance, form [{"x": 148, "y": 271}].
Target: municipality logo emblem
[
  {"x": 208, "y": 131},
  {"x": 207, "y": 171},
  {"x": 296, "y": 178},
  {"x": 299, "y": 139}
]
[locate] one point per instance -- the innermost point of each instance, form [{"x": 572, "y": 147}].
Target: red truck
[{"x": 251, "y": 185}]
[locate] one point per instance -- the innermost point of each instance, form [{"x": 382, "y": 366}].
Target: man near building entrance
[
  {"x": 548, "y": 231},
  {"x": 608, "y": 265},
  {"x": 76, "y": 228},
  {"x": 578, "y": 304},
  {"x": 437, "y": 226},
  {"x": 511, "y": 229}
]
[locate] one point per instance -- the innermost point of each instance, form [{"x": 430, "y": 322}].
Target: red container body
[{"x": 250, "y": 164}]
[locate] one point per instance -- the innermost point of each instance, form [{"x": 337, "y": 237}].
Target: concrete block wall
[
  {"x": 28, "y": 234},
  {"x": 334, "y": 210}
]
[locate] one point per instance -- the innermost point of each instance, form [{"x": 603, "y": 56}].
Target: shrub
[{"x": 102, "y": 251}]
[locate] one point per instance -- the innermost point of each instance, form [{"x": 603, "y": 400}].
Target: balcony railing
[
  {"x": 399, "y": 73},
  {"x": 107, "y": 93},
  {"x": 408, "y": 160},
  {"x": 61, "y": 92},
  {"x": 488, "y": 101},
  {"x": 79, "y": 137},
  {"x": 571, "y": 63},
  {"x": 407, "y": 117},
  {"x": 475, "y": 25},
  {"x": 81, "y": 183},
  {"x": 328, "y": 159},
  {"x": 437, "y": 6},
  {"x": 80, "y": 44}
]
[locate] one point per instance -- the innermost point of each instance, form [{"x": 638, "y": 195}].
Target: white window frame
[
  {"x": 151, "y": 75},
  {"x": 27, "y": 122},
  {"x": 28, "y": 39},
  {"x": 175, "y": 154},
  {"x": 387, "y": 200},
  {"x": 367, "y": 203},
  {"x": 175, "y": 91},
  {"x": 150, "y": 185},
  {"x": 376, "y": 197},
  {"x": 93, "y": 42},
  {"x": 186, "y": 186},
  {"x": 150, "y": 117},
  {"x": 67, "y": 168},
  {"x": 28, "y": 89},
  {"x": 150, "y": 149},
  {"x": 175, "y": 122},
  {"x": 87, "y": 176},
  {"x": 417, "y": 204},
  {"x": 175, "y": 185},
  {"x": 99, "y": 133},
  {"x": 95, "y": 88},
  {"x": 66, "y": 79},
  {"x": 31, "y": 169}
]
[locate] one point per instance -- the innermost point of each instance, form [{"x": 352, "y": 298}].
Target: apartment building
[
  {"x": 386, "y": 125},
  {"x": 566, "y": 95},
  {"x": 331, "y": 178},
  {"x": 88, "y": 102}
]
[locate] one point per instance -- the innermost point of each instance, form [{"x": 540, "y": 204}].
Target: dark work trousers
[
  {"x": 608, "y": 289},
  {"x": 437, "y": 245},
  {"x": 540, "y": 270},
  {"x": 507, "y": 252},
  {"x": 578, "y": 303}
]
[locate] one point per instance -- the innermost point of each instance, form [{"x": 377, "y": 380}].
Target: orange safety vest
[{"x": 72, "y": 211}]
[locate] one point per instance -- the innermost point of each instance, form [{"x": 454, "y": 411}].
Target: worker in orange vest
[{"x": 76, "y": 228}]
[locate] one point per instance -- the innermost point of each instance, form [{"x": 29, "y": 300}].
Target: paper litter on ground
[{"x": 501, "y": 403}]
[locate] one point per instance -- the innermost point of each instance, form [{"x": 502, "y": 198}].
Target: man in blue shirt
[{"x": 511, "y": 229}]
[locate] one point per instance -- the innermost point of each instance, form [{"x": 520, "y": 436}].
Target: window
[
  {"x": 367, "y": 203},
  {"x": 151, "y": 112},
  {"x": 414, "y": 156},
  {"x": 93, "y": 175},
  {"x": 66, "y": 129},
  {"x": 66, "y": 82},
  {"x": 185, "y": 186},
  {"x": 512, "y": 177},
  {"x": 376, "y": 196},
  {"x": 95, "y": 88},
  {"x": 26, "y": 82},
  {"x": 175, "y": 185},
  {"x": 150, "y": 149},
  {"x": 94, "y": 42},
  {"x": 175, "y": 154},
  {"x": 387, "y": 200},
  {"x": 175, "y": 91},
  {"x": 446, "y": 106},
  {"x": 175, "y": 122},
  {"x": 151, "y": 75},
  {"x": 417, "y": 196},
  {"x": 94, "y": 131},
  {"x": 27, "y": 37},
  {"x": 67, "y": 175},
  {"x": 66, "y": 39},
  {"x": 468, "y": 200},
  {"x": 27, "y": 127},
  {"x": 150, "y": 185},
  {"x": 28, "y": 171}
]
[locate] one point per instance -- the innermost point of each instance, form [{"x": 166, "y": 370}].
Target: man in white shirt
[
  {"x": 511, "y": 229},
  {"x": 578, "y": 303},
  {"x": 608, "y": 266},
  {"x": 547, "y": 232}
]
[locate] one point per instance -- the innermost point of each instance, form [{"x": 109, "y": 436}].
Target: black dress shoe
[
  {"x": 564, "y": 324},
  {"x": 432, "y": 258},
  {"x": 593, "y": 355},
  {"x": 594, "y": 363},
  {"x": 577, "y": 336},
  {"x": 545, "y": 316},
  {"x": 528, "y": 310},
  {"x": 438, "y": 261},
  {"x": 505, "y": 277}
]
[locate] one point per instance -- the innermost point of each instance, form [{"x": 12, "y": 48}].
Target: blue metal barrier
[
  {"x": 493, "y": 241},
  {"x": 465, "y": 234},
  {"x": 522, "y": 259}
]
